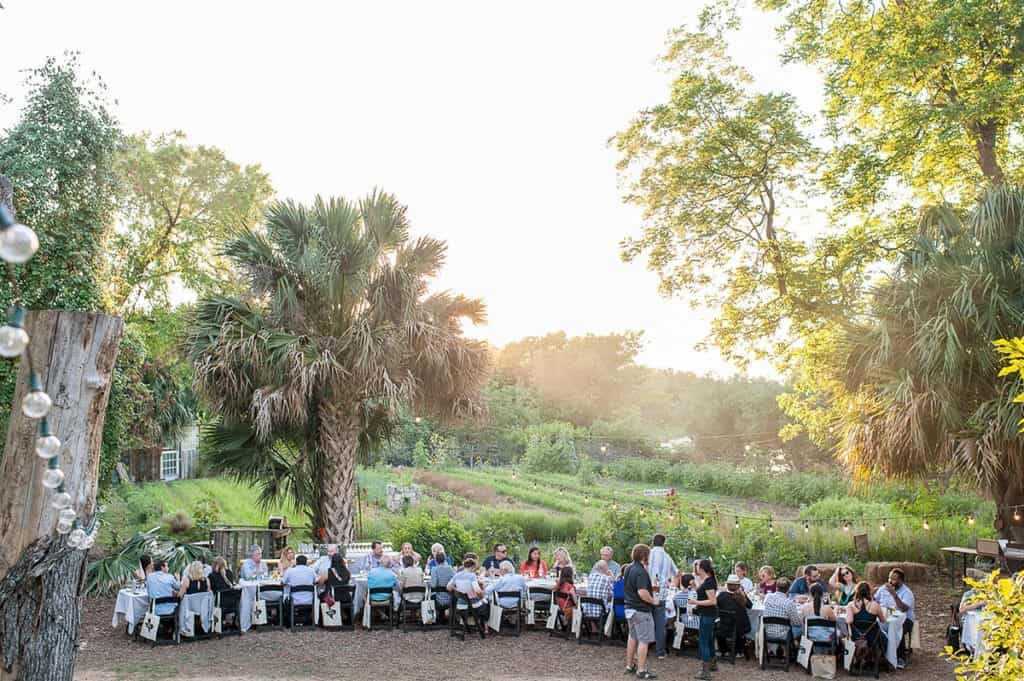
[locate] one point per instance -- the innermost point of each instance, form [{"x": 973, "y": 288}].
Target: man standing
[
  {"x": 662, "y": 570},
  {"x": 613, "y": 567},
  {"x": 639, "y": 606},
  {"x": 895, "y": 594}
]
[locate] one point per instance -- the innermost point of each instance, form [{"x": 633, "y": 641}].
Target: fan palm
[
  {"x": 338, "y": 331},
  {"x": 923, "y": 371}
]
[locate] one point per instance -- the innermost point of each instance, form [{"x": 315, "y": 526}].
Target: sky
[{"x": 489, "y": 120}]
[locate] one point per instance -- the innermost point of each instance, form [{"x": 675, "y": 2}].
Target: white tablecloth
[
  {"x": 893, "y": 628},
  {"x": 249, "y": 592},
  {"x": 970, "y": 633},
  {"x": 132, "y": 607}
]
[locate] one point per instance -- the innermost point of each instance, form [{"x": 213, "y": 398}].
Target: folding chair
[
  {"x": 828, "y": 647},
  {"x": 863, "y": 630},
  {"x": 412, "y": 597},
  {"x": 172, "y": 616},
  {"x": 229, "y": 602},
  {"x": 273, "y": 596},
  {"x": 620, "y": 626},
  {"x": 511, "y": 615},
  {"x": 345, "y": 596},
  {"x": 442, "y": 607},
  {"x": 725, "y": 635},
  {"x": 303, "y": 609},
  {"x": 458, "y": 620},
  {"x": 541, "y": 598},
  {"x": 563, "y": 629},
  {"x": 786, "y": 641},
  {"x": 597, "y": 620},
  {"x": 385, "y": 607}
]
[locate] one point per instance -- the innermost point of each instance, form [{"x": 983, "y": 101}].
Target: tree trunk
[
  {"x": 40, "y": 577},
  {"x": 985, "y": 135},
  {"x": 1010, "y": 492},
  {"x": 339, "y": 447}
]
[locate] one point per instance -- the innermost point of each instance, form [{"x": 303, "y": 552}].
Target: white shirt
[
  {"x": 885, "y": 599},
  {"x": 322, "y": 565},
  {"x": 746, "y": 585},
  {"x": 300, "y": 575},
  {"x": 661, "y": 565}
]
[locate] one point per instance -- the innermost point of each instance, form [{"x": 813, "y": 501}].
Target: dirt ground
[{"x": 107, "y": 654}]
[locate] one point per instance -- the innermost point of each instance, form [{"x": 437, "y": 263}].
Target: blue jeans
[
  {"x": 659, "y": 630},
  {"x": 707, "y": 637}
]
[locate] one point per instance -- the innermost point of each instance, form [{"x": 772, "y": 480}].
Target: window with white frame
[{"x": 170, "y": 464}]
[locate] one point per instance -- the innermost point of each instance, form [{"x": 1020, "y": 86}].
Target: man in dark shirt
[
  {"x": 492, "y": 563},
  {"x": 802, "y": 585},
  {"x": 639, "y": 609}
]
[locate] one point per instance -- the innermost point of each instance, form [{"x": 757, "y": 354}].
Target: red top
[{"x": 532, "y": 571}]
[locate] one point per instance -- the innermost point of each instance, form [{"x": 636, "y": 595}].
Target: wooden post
[{"x": 40, "y": 577}]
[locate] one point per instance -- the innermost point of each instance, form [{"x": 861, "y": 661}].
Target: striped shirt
[{"x": 598, "y": 586}]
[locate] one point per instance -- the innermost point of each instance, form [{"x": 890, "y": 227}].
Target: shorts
[{"x": 641, "y": 627}]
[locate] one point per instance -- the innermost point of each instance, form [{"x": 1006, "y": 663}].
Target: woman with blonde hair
[
  {"x": 561, "y": 560},
  {"x": 766, "y": 580},
  {"x": 220, "y": 577},
  {"x": 194, "y": 580},
  {"x": 286, "y": 560}
]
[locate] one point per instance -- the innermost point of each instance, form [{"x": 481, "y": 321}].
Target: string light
[
  {"x": 737, "y": 525},
  {"x": 882, "y": 527},
  {"x": 970, "y": 519},
  {"x": 807, "y": 527},
  {"x": 846, "y": 526},
  {"x": 926, "y": 526},
  {"x": 13, "y": 339},
  {"x": 513, "y": 475},
  {"x": 1016, "y": 514},
  {"x": 771, "y": 527},
  {"x": 18, "y": 243},
  {"x": 702, "y": 519}
]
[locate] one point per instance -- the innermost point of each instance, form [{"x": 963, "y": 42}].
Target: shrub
[
  {"x": 587, "y": 473},
  {"x": 206, "y": 511},
  {"x": 845, "y": 507},
  {"x": 498, "y": 526},
  {"x": 617, "y": 529},
  {"x": 143, "y": 509},
  {"x": 423, "y": 529},
  {"x": 420, "y": 456},
  {"x": 179, "y": 523},
  {"x": 551, "y": 448},
  {"x": 1003, "y": 632}
]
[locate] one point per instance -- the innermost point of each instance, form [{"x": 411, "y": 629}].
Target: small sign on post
[{"x": 669, "y": 492}]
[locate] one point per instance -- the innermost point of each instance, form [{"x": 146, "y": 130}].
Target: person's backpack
[{"x": 953, "y": 629}]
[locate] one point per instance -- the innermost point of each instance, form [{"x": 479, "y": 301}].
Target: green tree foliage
[
  {"x": 337, "y": 332},
  {"x": 551, "y": 448},
  {"x": 181, "y": 203},
  {"x": 921, "y": 371},
  {"x": 1002, "y": 630},
  {"x": 927, "y": 93},
  {"x": 422, "y": 530}
]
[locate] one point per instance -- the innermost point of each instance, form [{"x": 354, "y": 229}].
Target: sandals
[{"x": 645, "y": 675}]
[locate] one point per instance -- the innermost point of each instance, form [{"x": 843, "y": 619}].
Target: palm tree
[
  {"x": 339, "y": 330},
  {"x": 923, "y": 372}
]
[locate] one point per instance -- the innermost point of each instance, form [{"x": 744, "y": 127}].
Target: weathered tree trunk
[
  {"x": 985, "y": 135},
  {"x": 40, "y": 577},
  {"x": 339, "y": 446}
]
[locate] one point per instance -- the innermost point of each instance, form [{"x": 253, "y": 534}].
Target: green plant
[
  {"x": 423, "y": 529},
  {"x": 551, "y": 448},
  {"x": 179, "y": 523},
  {"x": 206, "y": 511},
  {"x": 1002, "y": 630},
  {"x": 420, "y": 456},
  {"x": 618, "y": 529},
  {"x": 498, "y": 526},
  {"x": 108, "y": 574}
]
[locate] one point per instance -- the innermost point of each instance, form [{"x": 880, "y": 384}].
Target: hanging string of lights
[{"x": 18, "y": 243}]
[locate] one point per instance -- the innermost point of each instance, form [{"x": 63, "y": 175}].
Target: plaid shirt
[
  {"x": 681, "y": 599},
  {"x": 598, "y": 586},
  {"x": 780, "y": 605}
]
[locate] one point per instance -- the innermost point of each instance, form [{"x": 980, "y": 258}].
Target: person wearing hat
[{"x": 734, "y": 600}]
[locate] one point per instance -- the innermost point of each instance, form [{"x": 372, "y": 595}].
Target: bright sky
[{"x": 490, "y": 120}]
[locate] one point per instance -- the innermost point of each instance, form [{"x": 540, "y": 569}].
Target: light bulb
[
  {"x": 807, "y": 527},
  {"x": 846, "y": 527},
  {"x": 36, "y": 404},
  {"x": 52, "y": 478},
  {"x": 926, "y": 526},
  {"x": 18, "y": 243},
  {"x": 882, "y": 526},
  {"x": 1016, "y": 515},
  {"x": 513, "y": 475},
  {"x": 76, "y": 537},
  {"x": 60, "y": 500},
  {"x": 771, "y": 527},
  {"x": 737, "y": 524},
  {"x": 702, "y": 521},
  {"x": 47, "y": 446},
  {"x": 603, "y": 449},
  {"x": 67, "y": 515},
  {"x": 87, "y": 543},
  {"x": 63, "y": 527},
  {"x": 13, "y": 340},
  {"x": 970, "y": 519}
]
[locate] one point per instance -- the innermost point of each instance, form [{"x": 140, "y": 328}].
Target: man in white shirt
[
  {"x": 662, "y": 570},
  {"x": 323, "y": 563},
  {"x": 373, "y": 558},
  {"x": 613, "y": 567},
  {"x": 895, "y": 594},
  {"x": 740, "y": 570}
]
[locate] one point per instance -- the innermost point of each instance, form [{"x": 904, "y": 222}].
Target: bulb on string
[
  {"x": 36, "y": 404},
  {"x": 67, "y": 515},
  {"x": 1016, "y": 514},
  {"x": 970, "y": 519},
  {"x": 47, "y": 445},
  {"x": 87, "y": 543},
  {"x": 63, "y": 527},
  {"x": 604, "y": 449},
  {"x": 60, "y": 500},
  {"x": 76, "y": 537},
  {"x": 702, "y": 519},
  {"x": 771, "y": 527},
  {"x": 13, "y": 339},
  {"x": 18, "y": 243},
  {"x": 807, "y": 527},
  {"x": 53, "y": 478},
  {"x": 513, "y": 475},
  {"x": 882, "y": 526},
  {"x": 586, "y": 499},
  {"x": 926, "y": 526},
  {"x": 846, "y": 526},
  {"x": 737, "y": 524}
]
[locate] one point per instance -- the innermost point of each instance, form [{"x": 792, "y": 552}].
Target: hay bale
[
  {"x": 878, "y": 572},
  {"x": 826, "y": 570}
]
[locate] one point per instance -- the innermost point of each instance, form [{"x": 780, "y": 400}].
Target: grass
[{"x": 236, "y": 500}]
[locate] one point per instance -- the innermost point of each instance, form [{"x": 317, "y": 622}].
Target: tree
[
  {"x": 181, "y": 201},
  {"x": 337, "y": 331},
  {"x": 920, "y": 371},
  {"x": 924, "y": 96},
  {"x": 714, "y": 169},
  {"x": 1002, "y": 631}
]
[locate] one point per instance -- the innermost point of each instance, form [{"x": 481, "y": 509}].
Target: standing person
[
  {"x": 639, "y": 606},
  {"x": 707, "y": 611},
  {"x": 662, "y": 570},
  {"x": 606, "y": 556},
  {"x": 533, "y": 567}
]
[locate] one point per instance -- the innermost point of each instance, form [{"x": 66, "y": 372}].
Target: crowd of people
[{"x": 635, "y": 592}]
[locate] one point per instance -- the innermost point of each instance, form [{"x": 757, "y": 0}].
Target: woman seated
[
  {"x": 220, "y": 578},
  {"x": 194, "y": 580},
  {"x": 286, "y": 560},
  {"x": 410, "y": 575},
  {"x": 815, "y": 608},
  {"x": 437, "y": 550},
  {"x": 561, "y": 560},
  {"x": 407, "y": 550},
  {"x": 865, "y": 611},
  {"x": 843, "y": 584},
  {"x": 685, "y": 585},
  {"x": 735, "y": 601},
  {"x": 766, "y": 580},
  {"x": 568, "y": 590},
  {"x": 337, "y": 574},
  {"x": 533, "y": 567}
]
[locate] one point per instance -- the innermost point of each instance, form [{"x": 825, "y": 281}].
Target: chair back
[
  {"x": 163, "y": 600},
  {"x": 303, "y": 588},
  {"x": 517, "y": 595},
  {"x": 272, "y": 589},
  {"x": 344, "y": 594},
  {"x": 726, "y": 621},
  {"x": 414, "y": 594},
  {"x": 780, "y": 621},
  {"x": 589, "y": 600},
  {"x": 538, "y": 591},
  {"x": 229, "y": 599},
  {"x": 461, "y": 601},
  {"x": 561, "y": 596},
  {"x": 380, "y": 590},
  {"x": 812, "y": 622},
  {"x": 987, "y": 548}
]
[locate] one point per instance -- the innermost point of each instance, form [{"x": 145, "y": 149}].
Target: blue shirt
[
  {"x": 511, "y": 582},
  {"x": 440, "y": 575},
  {"x": 619, "y": 592},
  {"x": 466, "y": 583},
  {"x": 431, "y": 564},
  {"x": 380, "y": 577},
  {"x": 251, "y": 570},
  {"x": 801, "y": 586},
  {"x": 300, "y": 575},
  {"x": 369, "y": 562},
  {"x": 161, "y": 585}
]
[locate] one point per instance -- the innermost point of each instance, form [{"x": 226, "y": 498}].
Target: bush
[
  {"x": 1003, "y": 632},
  {"x": 143, "y": 509},
  {"x": 206, "y": 511},
  {"x": 493, "y": 527},
  {"x": 179, "y": 523},
  {"x": 420, "y": 456},
  {"x": 422, "y": 530},
  {"x": 617, "y": 529},
  {"x": 845, "y": 507},
  {"x": 551, "y": 448}
]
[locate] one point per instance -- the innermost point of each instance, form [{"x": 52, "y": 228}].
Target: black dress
[{"x": 219, "y": 583}]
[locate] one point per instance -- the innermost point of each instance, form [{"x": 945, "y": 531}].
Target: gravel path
[{"x": 108, "y": 655}]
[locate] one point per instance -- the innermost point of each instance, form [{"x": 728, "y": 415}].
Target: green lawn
[{"x": 237, "y": 501}]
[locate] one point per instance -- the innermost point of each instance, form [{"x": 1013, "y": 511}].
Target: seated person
[
  {"x": 735, "y": 600},
  {"x": 863, "y": 609},
  {"x": 509, "y": 581},
  {"x": 286, "y": 560},
  {"x": 766, "y": 580},
  {"x": 435, "y": 551},
  {"x": 600, "y": 584},
  {"x": 801, "y": 587},
  {"x": 300, "y": 574},
  {"x": 468, "y": 584},
  {"x": 896, "y": 595},
  {"x": 160, "y": 584},
  {"x": 410, "y": 575},
  {"x": 407, "y": 550},
  {"x": 740, "y": 570},
  {"x": 221, "y": 578},
  {"x": 337, "y": 574},
  {"x": 145, "y": 567},
  {"x": 613, "y": 567},
  {"x": 253, "y": 567},
  {"x": 561, "y": 560},
  {"x": 567, "y": 588},
  {"x": 194, "y": 580},
  {"x": 374, "y": 558},
  {"x": 492, "y": 563},
  {"x": 533, "y": 567},
  {"x": 619, "y": 593},
  {"x": 323, "y": 563},
  {"x": 843, "y": 584},
  {"x": 814, "y": 608},
  {"x": 778, "y": 604},
  {"x": 440, "y": 576},
  {"x": 381, "y": 577},
  {"x": 968, "y": 602},
  {"x": 685, "y": 585}
]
